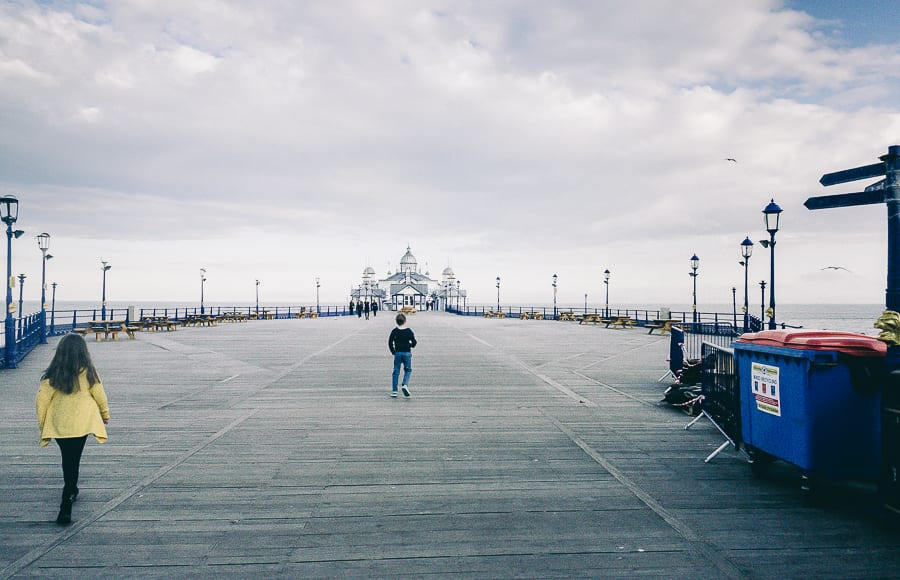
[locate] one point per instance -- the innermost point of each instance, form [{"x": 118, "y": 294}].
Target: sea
[{"x": 841, "y": 317}]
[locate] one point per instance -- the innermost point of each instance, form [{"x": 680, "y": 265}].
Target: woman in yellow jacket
[{"x": 71, "y": 404}]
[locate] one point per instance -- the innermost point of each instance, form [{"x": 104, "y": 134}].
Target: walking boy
[{"x": 401, "y": 342}]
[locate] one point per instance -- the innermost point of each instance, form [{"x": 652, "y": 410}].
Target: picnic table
[
  {"x": 664, "y": 325},
  {"x": 494, "y": 314},
  {"x": 233, "y": 317},
  {"x": 307, "y": 314},
  {"x": 199, "y": 320},
  {"x": 105, "y": 328},
  {"x": 594, "y": 318},
  {"x": 566, "y": 316},
  {"x": 534, "y": 315},
  {"x": 621, "y": 322},
  {"x": 156, "y": 323}
]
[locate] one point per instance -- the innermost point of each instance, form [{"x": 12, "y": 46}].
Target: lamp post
[
  {"x": 202, "y": 282},
  {"x": 53, "y": 309},
  {"x": 734, "y": 306},
  {"x": 317, "y": 295},
  {"x": 555, "y": 279},
  {"x": 105, "y": 267},
  {"x": 606, "y": 281},
  {"x": 257, "y": 298},
  {"x": 772, "y": 213},
  {"x": 695, "y": 263},
  {"x": 498, "y": 293},
  {"x": 746, "y": 252},
  {"x": 44, "y": 245},
  {"x": 458, "y": 283},
  {"x": 21, "y": 289},
  {"x": 9, "y": 213},
  {"x": 762, "y": 302}
]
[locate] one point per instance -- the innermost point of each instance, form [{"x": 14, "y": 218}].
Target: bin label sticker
[{"x": 766, "y": 390}]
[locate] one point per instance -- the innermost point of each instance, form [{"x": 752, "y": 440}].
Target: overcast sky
[{"x": 281, "y": 141}]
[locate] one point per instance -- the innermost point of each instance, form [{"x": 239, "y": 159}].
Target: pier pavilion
[{"x": 409, "y": 286}]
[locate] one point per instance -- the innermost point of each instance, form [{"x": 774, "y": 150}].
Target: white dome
[
  {"x": 448, "y": 271},
  {"x": 408, "y": 262}
]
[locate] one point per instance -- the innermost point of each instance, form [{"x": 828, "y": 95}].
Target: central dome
[{"x": 408, "y": 262}]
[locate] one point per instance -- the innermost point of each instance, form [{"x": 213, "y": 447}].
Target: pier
[{"x": 527, "y": 449}]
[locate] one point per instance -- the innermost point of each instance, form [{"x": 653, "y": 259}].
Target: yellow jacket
[{"x": 74, "y": 415}]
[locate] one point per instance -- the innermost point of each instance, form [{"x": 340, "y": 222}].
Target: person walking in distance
[
  {"x": 401, "y": 342},
  {"x": 366, "y": 309},
  {"x": 71, "y": 404},
  {"x": 359, "y": 309},
  {"x": 374, "y": 308}
]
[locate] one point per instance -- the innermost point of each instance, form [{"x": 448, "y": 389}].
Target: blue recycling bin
[{"x": 812, "y": 399}]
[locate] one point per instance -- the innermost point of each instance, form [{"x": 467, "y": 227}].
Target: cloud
[{"x": 516, "y": 135}]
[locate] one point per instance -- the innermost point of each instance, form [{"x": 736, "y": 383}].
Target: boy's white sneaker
[{"x": 405, "y": 390}]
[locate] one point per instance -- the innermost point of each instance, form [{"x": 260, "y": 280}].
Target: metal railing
[{"x": 721, "y": 394}]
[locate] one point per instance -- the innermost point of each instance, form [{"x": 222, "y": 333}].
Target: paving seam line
[
  {"x": 615, "y": 390},
  {"x": 606, "y": 358},
  {"x": 582, "y": 400},
  {"x": 37, "y": 553},
  {"x": 709, "y": 553},
  {"x": 290, "y": 369}
]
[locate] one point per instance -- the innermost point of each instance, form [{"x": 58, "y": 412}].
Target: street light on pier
[
  {"x": 105, "y": 267},
  {"x": 606, "y": 282},
  {"x": 53, "y": 308},
  {"x": 695, "y": 263},
  {"x": 746, "y": 252},
  {"x": 555, "y": 279},
  {"x": 762, "y": 302},
  {"x": 202, "y": 282},
  {"x": 458, "y": 283},
  {"x": 772, "y": 213},
  {"x": 498, "y": 293},
  {"x": 317, "y": 295},
  {"x": 21, "y": 289},
  {"x": 734, "y": 306},
  {"x": 9, "y": 213},
  {"x": 257, "y": 298},
  {"x": 43, "y": 241}
]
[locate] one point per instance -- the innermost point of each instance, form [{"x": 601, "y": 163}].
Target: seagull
[
  {"x": 732, "y": 159},
  {"x": 835, "y": 268}
]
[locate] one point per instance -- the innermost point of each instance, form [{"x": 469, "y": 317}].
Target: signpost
[{"x": 886, "y": 191}]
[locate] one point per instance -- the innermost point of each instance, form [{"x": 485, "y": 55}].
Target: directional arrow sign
[
  {"x": 865, "y": 172},
  {"x": 845, "y": 199}
]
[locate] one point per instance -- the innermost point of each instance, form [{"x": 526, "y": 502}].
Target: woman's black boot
[{"x": 65, "y": 509}]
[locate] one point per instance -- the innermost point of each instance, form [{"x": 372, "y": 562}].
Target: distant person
[
  {"x": 71, "y": 404},
  {"x": 366, "y": 310},
  {"x": 359, "y": 309},
  {"x": 351, "y": 307},
  {"x": 401, "y": 342},
  {"x": 374, "y": 308}
]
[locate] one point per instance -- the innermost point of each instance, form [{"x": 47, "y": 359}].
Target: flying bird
[
  {"x": 836, "y": 268},
  {"x": 732, "y": 159}
]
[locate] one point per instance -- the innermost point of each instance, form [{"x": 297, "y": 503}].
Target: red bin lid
[{"x": 845, "y": 342}]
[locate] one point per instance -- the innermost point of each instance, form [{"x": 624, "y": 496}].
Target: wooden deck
[{"x": 271, "y": 449}]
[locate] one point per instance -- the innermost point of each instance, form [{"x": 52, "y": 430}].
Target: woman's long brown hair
[{"x": 71, "y": 358}]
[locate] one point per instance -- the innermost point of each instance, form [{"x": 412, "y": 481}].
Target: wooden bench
[
  {"x": 494, "y": 314},
  {"x": 407, "y": 310},
  {"x": 566, "y": 316}
]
